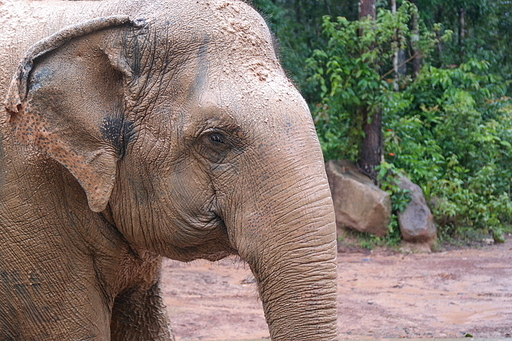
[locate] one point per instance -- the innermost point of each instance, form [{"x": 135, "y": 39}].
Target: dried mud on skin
[{"x": 382, "y": 294}]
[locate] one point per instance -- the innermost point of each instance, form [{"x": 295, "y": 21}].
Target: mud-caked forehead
[
  {"x": 230, "y": 30},
  {"x": 238, "y": 27}
]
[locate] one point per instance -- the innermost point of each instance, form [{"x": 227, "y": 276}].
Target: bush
[
  {"x": 448, "y": 129},
  {"x": 454, "y": 140}
]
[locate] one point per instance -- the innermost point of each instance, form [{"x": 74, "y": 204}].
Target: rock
[
  {"x": 358, "y": 203},
  {"x": 416, "y": 221}
]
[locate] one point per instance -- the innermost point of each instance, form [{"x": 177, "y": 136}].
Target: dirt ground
[{"x": 382, "y": 294}]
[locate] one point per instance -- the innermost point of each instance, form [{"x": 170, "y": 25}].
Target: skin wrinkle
[
  {"x": 276, "y": 279},
  {"x": 287, "y": 205},
  {"x": 291, "y": 258},
  {"x": 284, "y": 201},
  {"x": 52, "y": 268},
  {"x": 78, "y": 220},
  {"x": 299, "y": 313},
  {"x": 167, "y": 66}
]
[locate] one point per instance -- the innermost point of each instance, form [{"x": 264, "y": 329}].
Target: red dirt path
[{"x": 382, "y": 294}]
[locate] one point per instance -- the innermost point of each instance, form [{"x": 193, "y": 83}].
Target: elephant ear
[{"x": 66, "y": 99}]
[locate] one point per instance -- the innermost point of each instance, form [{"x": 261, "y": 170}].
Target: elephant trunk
[
  {"x": 298, "y": 290},
  {"x": 290, "y": 245}
]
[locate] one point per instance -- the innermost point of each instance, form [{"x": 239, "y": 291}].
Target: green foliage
[
  {"x": 350, "y": 74},
  {"x": 449, "y": 129},
  {"x": 389, "y": 177},
  {"x": 482, "y": 32},
  {"x": 453, "y": 137}
]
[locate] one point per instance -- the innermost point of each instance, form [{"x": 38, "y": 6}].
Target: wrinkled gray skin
[{"x": 166, "y": 128}]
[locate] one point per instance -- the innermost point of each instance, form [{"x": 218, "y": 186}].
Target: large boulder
[
  {"x": 358, "y": 203},
  {"x": 416, "y": 221}
]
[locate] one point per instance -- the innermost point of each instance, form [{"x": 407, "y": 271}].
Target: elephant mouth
[{"x": 207, "y": 239}]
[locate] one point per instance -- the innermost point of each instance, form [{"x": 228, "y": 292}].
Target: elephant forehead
[
  {"x": 240, "y": 25},
  {"x": 241, "y": 49},
  {"x": 232, "y": 30}
]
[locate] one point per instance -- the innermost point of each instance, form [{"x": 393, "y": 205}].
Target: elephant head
[{"x": 185, "y": 134}]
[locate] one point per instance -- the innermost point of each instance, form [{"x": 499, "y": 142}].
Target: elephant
[{"x": 133, "y": 130}]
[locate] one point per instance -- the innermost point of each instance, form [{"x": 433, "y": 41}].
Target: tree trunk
[
  {"x": 399, "y": 58},
  {"x": 462, "y": 33},
  {"x": 327, "y": 7},
  {"x": 396, "y": 52},
  {"x": 367, "y": 8},
  {"x": 371, "y": 145},
  {"x": 416, "y": 61}
]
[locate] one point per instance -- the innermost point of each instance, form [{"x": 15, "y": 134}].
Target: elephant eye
[
  {"x": 214, "y": 146},
  {"x": 217, "y": 138}
]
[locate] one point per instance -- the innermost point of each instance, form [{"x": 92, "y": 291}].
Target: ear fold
[{"x": 66, "y": 98}]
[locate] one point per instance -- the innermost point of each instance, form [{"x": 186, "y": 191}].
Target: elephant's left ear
[{"x": 66, "y": 99}]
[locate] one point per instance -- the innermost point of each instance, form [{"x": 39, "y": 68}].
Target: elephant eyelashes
[{"x": 217, "y": 138}]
